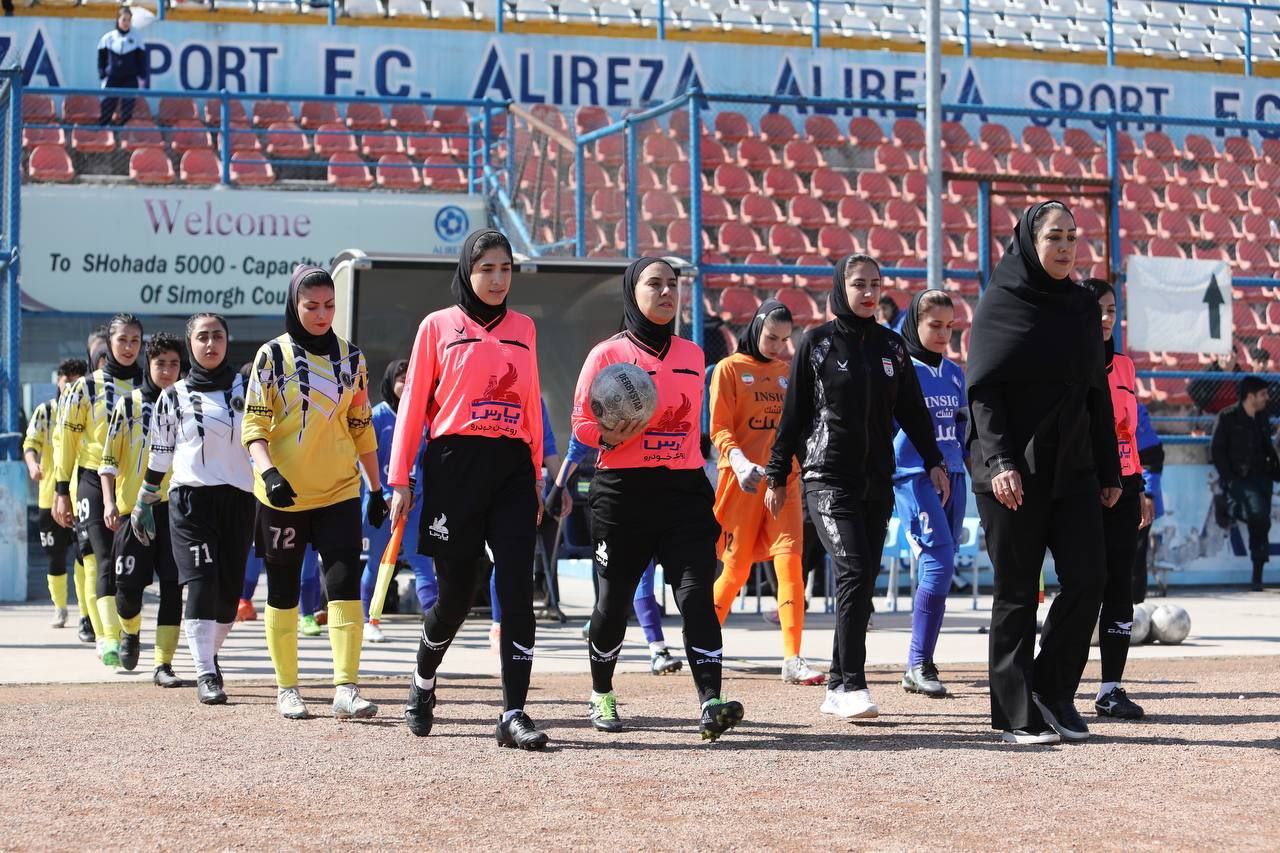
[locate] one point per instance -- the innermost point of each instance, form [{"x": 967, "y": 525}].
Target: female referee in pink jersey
[
  {"x": 473, "y": 381},
  {"x": 650, "y": 497}
]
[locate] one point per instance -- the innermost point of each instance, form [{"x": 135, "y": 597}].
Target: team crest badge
[
  {"x": 888, "y": 366},
  {"x": 747, "y": 379}
]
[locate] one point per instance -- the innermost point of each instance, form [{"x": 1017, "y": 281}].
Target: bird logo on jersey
[
  {"x": 602, "y": 554},
  {"x": 498, "y": 403},
  {"x": 669, "y": 432},
  {"x": 439, "y": 528},
  {"x": 709, "y": 656},
  {"x": 524, "y": 653}
]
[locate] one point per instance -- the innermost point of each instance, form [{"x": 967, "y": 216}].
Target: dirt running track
[{"x": 132, "y": 766}]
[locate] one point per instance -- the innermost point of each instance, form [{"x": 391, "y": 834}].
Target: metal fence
[{"x": 10, "y": 219}]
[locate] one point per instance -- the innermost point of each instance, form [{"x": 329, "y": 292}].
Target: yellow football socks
[
  {"x": 282, "y": 642},
  {"x": 77, "y": 572},
  {"x": 110, "y": 619},
  {"x": 166, "y": 644},
  {"x": 89, "y": 604},
  {"x": 58, "y": 589},
  {"x": 132, "y": 625},
  {"x": 346, "y": 634}
]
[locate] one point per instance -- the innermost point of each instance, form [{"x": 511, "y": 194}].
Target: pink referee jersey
[
  {"x": 1123, "y": 379},
  {"x": 464, "y": 379},
  {"x": 673, "y": 438}
]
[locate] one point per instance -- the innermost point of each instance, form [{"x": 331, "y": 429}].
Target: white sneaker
[
  {"x": 99, "y": 646},
  {"x": 59, "y": 619},
  {"x": 348, "y": 704},
  {"x": 290, "y": 705},
  {"x": 857, "y": 705},
  {"x": 796, "y": 670},
  {"x": 831, "y": 705},
  {"x": 373, "y": 633}
]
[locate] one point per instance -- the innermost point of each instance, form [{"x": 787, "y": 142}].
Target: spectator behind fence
[
  {"x": 1213, "y": 395},
  {"x": 1247, "y": 465},
  {"x": 122, "y": 64}
]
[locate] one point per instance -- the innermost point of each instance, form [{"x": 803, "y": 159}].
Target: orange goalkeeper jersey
[{"x": 746, "y": 405}]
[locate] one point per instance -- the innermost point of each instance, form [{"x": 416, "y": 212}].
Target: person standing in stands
[
  {"x": 1247, "y": 465},
  {"x": 1042, "y": 444},
  {"x": 37, "y": 450},
  {"x": 122, "y": 64}
]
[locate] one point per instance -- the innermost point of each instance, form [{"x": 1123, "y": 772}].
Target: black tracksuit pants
[
  {"x": 1071, "y": 528},
  {"x": 1120, "y": 535}
]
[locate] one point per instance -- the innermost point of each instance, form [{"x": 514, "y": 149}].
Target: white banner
[
  {"x": 1174, "y": 305},
  {"x": 177, "y": 251}
]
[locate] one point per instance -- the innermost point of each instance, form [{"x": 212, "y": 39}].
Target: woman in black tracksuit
[{"x": 851, "y": 380}]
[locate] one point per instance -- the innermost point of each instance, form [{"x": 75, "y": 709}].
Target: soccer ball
[
  {"x": 621, "y": 392},
  {"x": 1170, "y": 624},
  {"x": 1141, "y": 626},
  {"x": 1148, "y": 608}
]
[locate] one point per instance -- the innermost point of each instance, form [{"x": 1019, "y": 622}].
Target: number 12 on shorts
[{"x": 197, "y": 549}]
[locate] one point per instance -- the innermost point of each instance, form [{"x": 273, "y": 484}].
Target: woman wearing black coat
[{"x": 1042, "y": 441}]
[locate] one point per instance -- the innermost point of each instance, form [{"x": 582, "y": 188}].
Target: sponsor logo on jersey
[
  {"x": 498, "y": 404},
  {"x": 842, "y": 366},
  {"x": 887, "y": 364},
  {"x": 668, "y": 433},
  {"x": 524, "y": 653},
  {"x": 439, "y": 528},
  {"x": 602, "y": 554},
  {"x": 710, "y": 656}
]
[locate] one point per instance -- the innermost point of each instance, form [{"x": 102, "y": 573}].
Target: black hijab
[
  {"x": 911, "y": 332},
  {"x": 396, "y": 368},
  {"x": 648, "y": 334},
  {"x": 219, "y": 378},
  {"x": 326, "y": 344},
  {"x": 1030, "y": 326},
  {"x": 846, "y": 320},
  {"x": 464, "y": 295},
  {"x": 132, "y": 373},
  {"x": 749, "y": 340}
]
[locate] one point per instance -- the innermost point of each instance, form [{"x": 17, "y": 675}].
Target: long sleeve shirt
[
  {"x": 944, "y": 397},
  {"x": 673, "y": 437},
  {"x": 1241, "y": 445},
  {"x": 1122, "y": 380},
  {"x": 122, "y": 60},
  {"x": 313, "y": 412},
  {"x": 39, "y": 440},
  {"x": 127, "y": 452},
  {"x": 746, "y": 405},
  {"x": 464, "y": 379},
  {"x": 846, "y": 392},
  {"x": 81, "y": 432},
  {"x": 197, "y": 435}
]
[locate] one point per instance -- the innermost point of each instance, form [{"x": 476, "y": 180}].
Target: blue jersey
[
  {"x": 1146, "y": 432},
  {"x": 548, "y": 437},
  {"x": 577, "y": 451},
  {"x": 943, "y": 389},
  {"x": 384, "y": 427}
]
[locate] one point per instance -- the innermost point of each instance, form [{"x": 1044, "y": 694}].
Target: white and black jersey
[
  {"x": 122, "y": 59},
  {"x": 197, "y": 434}
]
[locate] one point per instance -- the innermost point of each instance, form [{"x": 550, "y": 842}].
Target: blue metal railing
[
  {"x": 1235, "y": 24},
  {"x": 10, "y": 390}
]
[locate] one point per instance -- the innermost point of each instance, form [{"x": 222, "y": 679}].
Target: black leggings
[
  {"x": 852, "y": 530},
  {"x": 340, "y": 569},
  {"x": 1120, "y": 538},
  {"x": 129, "y": 602},
  {"x": 639, "y": 515}
]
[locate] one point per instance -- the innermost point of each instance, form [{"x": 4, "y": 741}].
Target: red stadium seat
[
  {"x": 444, "y": 174},
  {"x": 955, "y": 138},
  {"x": 738, "y": 304},
  {"x": 1246, "y": 322},
  {"x": 190, "y": 135},
  {"x": 856, "y": 215},
  {"x": 33, "y": 136},
  {"x": 1126, "y": 148},
  {"x": 555, "y": 204},
  {"x": 1163, "y": 248},
  {"x": 237, "y": 116},
  {"x": 349, "y": 171},
  {"x": 38, "y": 109},
  {"x": 819, "y": 281},
  {"x": 1264, "y": 200},
  {"x": 410, "y": 118},
  {"x": 891, "y": 160},
  {"x": 1080, "y": 143},
  {"x": 50, "y": 164},
  {"x": 1183, "y": 198},
  {"x": 1219, "y": 228},
  {"x": 680, "y": 241},
  {"x": 759, "y": 280},
  {"x": 1226, "y": 200},
  {"x": 715, "y": 280},
  {"x": 1271, "y": 150},
  {"x": 823, "y": 132},
  {"x": 334, "y": 138},
  {"x": 589, "y": 118},
  {"x": 1239, "y": 150},
  {"x": 761, "y": 211},
  {"x": 1150, "y": 172},
  {"x": 87, "y": 141},
  {"x": 175, "y": 110},
  {"x": 1273, "y": 319},
  {"x": 981, "y": 160},
  {"x": 268, "y": 113},
  {"x": 732, "y": 128},
  {"x": 139, "y": 134},
  {"x": 1038, "y": 141},
  {"x": 887, "y": 247},
  {"x": 808, "y": 213},
  {"x": 835, "y": 242},
  {"x": 661, "y": 151},
  {"x": 454, "y": 120},
  {"x": 788, "y": 242},
  {"x": 1267, "y": 175},
  {"x": 594, "y": 177},
  {"x": 396, "y": 172},
  {"x": 660, "y": 208},
  {"x": 1257, "y": 227},
  {"x": 1202, "y": 252},
  {"x": 647, "y": 242},
  {"x": 611, "y": 151},
  {"x": 733, "y": 181},
  {"x": 285, "y": 141},
  {"x": 81, "y": 109},
  {"x": 200, "y": 167},
  {"x": 678, "y": 127},
  {"x": 756, "y": 154},
  {"x": 713, "y": 154},
  {"x": 876, "y": 187},
  {"x": 1253, "y": 258},
  {"x": 422, "y": 147},
  {"x": 1064, "y": 165},
  {"x": 738, "y": 240},
  {"x": 1232, "y": 176},
  {"x": 248, "y": 168},
  {"x": 903, "y": 216},
  {"x": 804, "y": 311},
  {"x": 1176, "y": 226},
  {"x": 1140, "y": 198},
  {"x": 909, "y": 134},
  {"x": 956, "y": 219},
  {"x": 608, "y": 205},
  {"x": 1159, "y": 146},
  {"x": 316, "y": 114},
  {"x": 782, "y": 183},
  {"x": 646, "y": 178},
  {"x": 865, "y": 133},
  {"x": 376, "y": 145},
  {"x": 996, "y": 139},
  {"x": 1089, "y": 224},
  {"x": 716, "y": 210},
  {"x": 777, "y": 129},
  {"x": 802, "y": 157},
  {"x": 678, "y": 182},
  {"x": 367, "y": 118},
  {"x": 1196, "y": 146},
  {"x": 1025, "y": 163},
  {"x": 829, "y": 185},
  {"x": 915, "y": 187}
]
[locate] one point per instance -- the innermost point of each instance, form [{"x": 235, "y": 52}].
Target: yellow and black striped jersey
[
  {"x": 313, "y": 412},
  {"x": 82, "y": 423},
  {"x": 40, "y": 439},
  {"x": 128, "y": 447}
]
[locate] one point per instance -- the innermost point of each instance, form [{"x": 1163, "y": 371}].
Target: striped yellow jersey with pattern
[
  {"x": 128, "y": 447},
  {"x": 313, "y": 412},
  {"x": 81, "y": 432},
  {"x": 39, "y": 439}
]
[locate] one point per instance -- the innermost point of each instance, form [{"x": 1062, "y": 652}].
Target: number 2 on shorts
[
  {"x": 285, "y": 533},
  {"x": 195, "y": 552}
]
